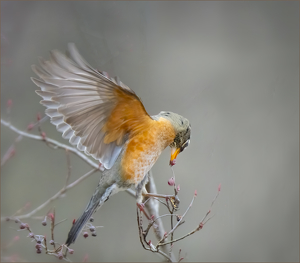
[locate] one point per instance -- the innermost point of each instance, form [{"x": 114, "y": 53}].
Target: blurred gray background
[{"x": 231, "y": 68}]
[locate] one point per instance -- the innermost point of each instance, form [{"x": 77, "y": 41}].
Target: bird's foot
[
  {"x": 174, "y": 200},
  {"x": 140, "y": 206}
]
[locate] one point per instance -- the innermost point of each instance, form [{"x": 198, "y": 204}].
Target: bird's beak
[{"x": 174, "y": 153}]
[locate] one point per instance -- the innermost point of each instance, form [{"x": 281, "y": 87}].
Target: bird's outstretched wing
[{"x": 93, "y": 111}]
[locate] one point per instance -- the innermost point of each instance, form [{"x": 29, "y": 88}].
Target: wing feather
[{"x": 94, "y": 112}]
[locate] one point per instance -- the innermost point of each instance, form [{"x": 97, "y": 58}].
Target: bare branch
[
  {"x": 153, "y": 208},
  {"x": 57, "y": 195},
  {"x": 200, "y": 226},
  {"x": 178, "y": 223},
  {"x": 151, "y": 248},
  {"x": 69, "y": 167},
  {"x": 11, "y": 150},
  {"x": 56, "y": 143}
]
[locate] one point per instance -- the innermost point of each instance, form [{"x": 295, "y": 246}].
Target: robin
[{"x": 105, "y": 118}]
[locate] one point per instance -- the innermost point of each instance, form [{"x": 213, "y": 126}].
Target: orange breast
[{"x": 143, "y": 150}]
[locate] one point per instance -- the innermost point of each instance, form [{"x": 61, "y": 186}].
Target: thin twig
[
  {"x": 56, "y": 143},
  {"x": 52, "y": 226},
  {"x": 153, "y": 208},
  {"x": 154, "y": 220},
  {"x": 151, "y": 248},
  {"x": 61, "y": 221},
  {"x": 11, "y": 150},
  {"x": 165, "y": 204},
  {"x": 178, "y": 223},
  {"x": 140, "y": 227},
  {"x": 56, "y": 196},
  {"x": 131, "y": 192},
  {"x": 69, "y": 167},
  {"x": 172, "y": 234},
  {"x": 199, "y": 227}
]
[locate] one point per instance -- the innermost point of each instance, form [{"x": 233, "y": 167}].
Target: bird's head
[{"x": 182, "y": 129}]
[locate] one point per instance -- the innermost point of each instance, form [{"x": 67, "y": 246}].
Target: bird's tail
[{"x": 101, "y": 194}]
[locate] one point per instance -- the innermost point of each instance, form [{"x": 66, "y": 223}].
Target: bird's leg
[
  {"x": 174, "y": 200},
  {"x": 139, "y": 200},
  {"x": 140, "y": 190},
  {"x": 157, "y": 195},
  {"x": 139, "y": 194}
]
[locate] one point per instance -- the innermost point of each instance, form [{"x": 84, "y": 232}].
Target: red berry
[
  {"x": 39, "y": 251},
  {"x": 171, "y": 181},
  {"x": 22, "y": 226},
  {"x": 219, "y": 187},
  {"x": 30, "y": 126},
  {"x": 51, "y": 216},
  {"x": 173, "y": 162},
  {"x": 43, "y": 134},
  {"x": 92, "y": 228},
  {"x": 38, "y": 246},
  {"x": 60, "y": 255},
  {"x": 85, "y": 234}
]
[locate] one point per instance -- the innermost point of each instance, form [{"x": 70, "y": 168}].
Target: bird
[{"x": 105, "y": 119}]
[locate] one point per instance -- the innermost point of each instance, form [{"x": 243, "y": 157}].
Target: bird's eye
[{"x": 186, "y": 144}]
